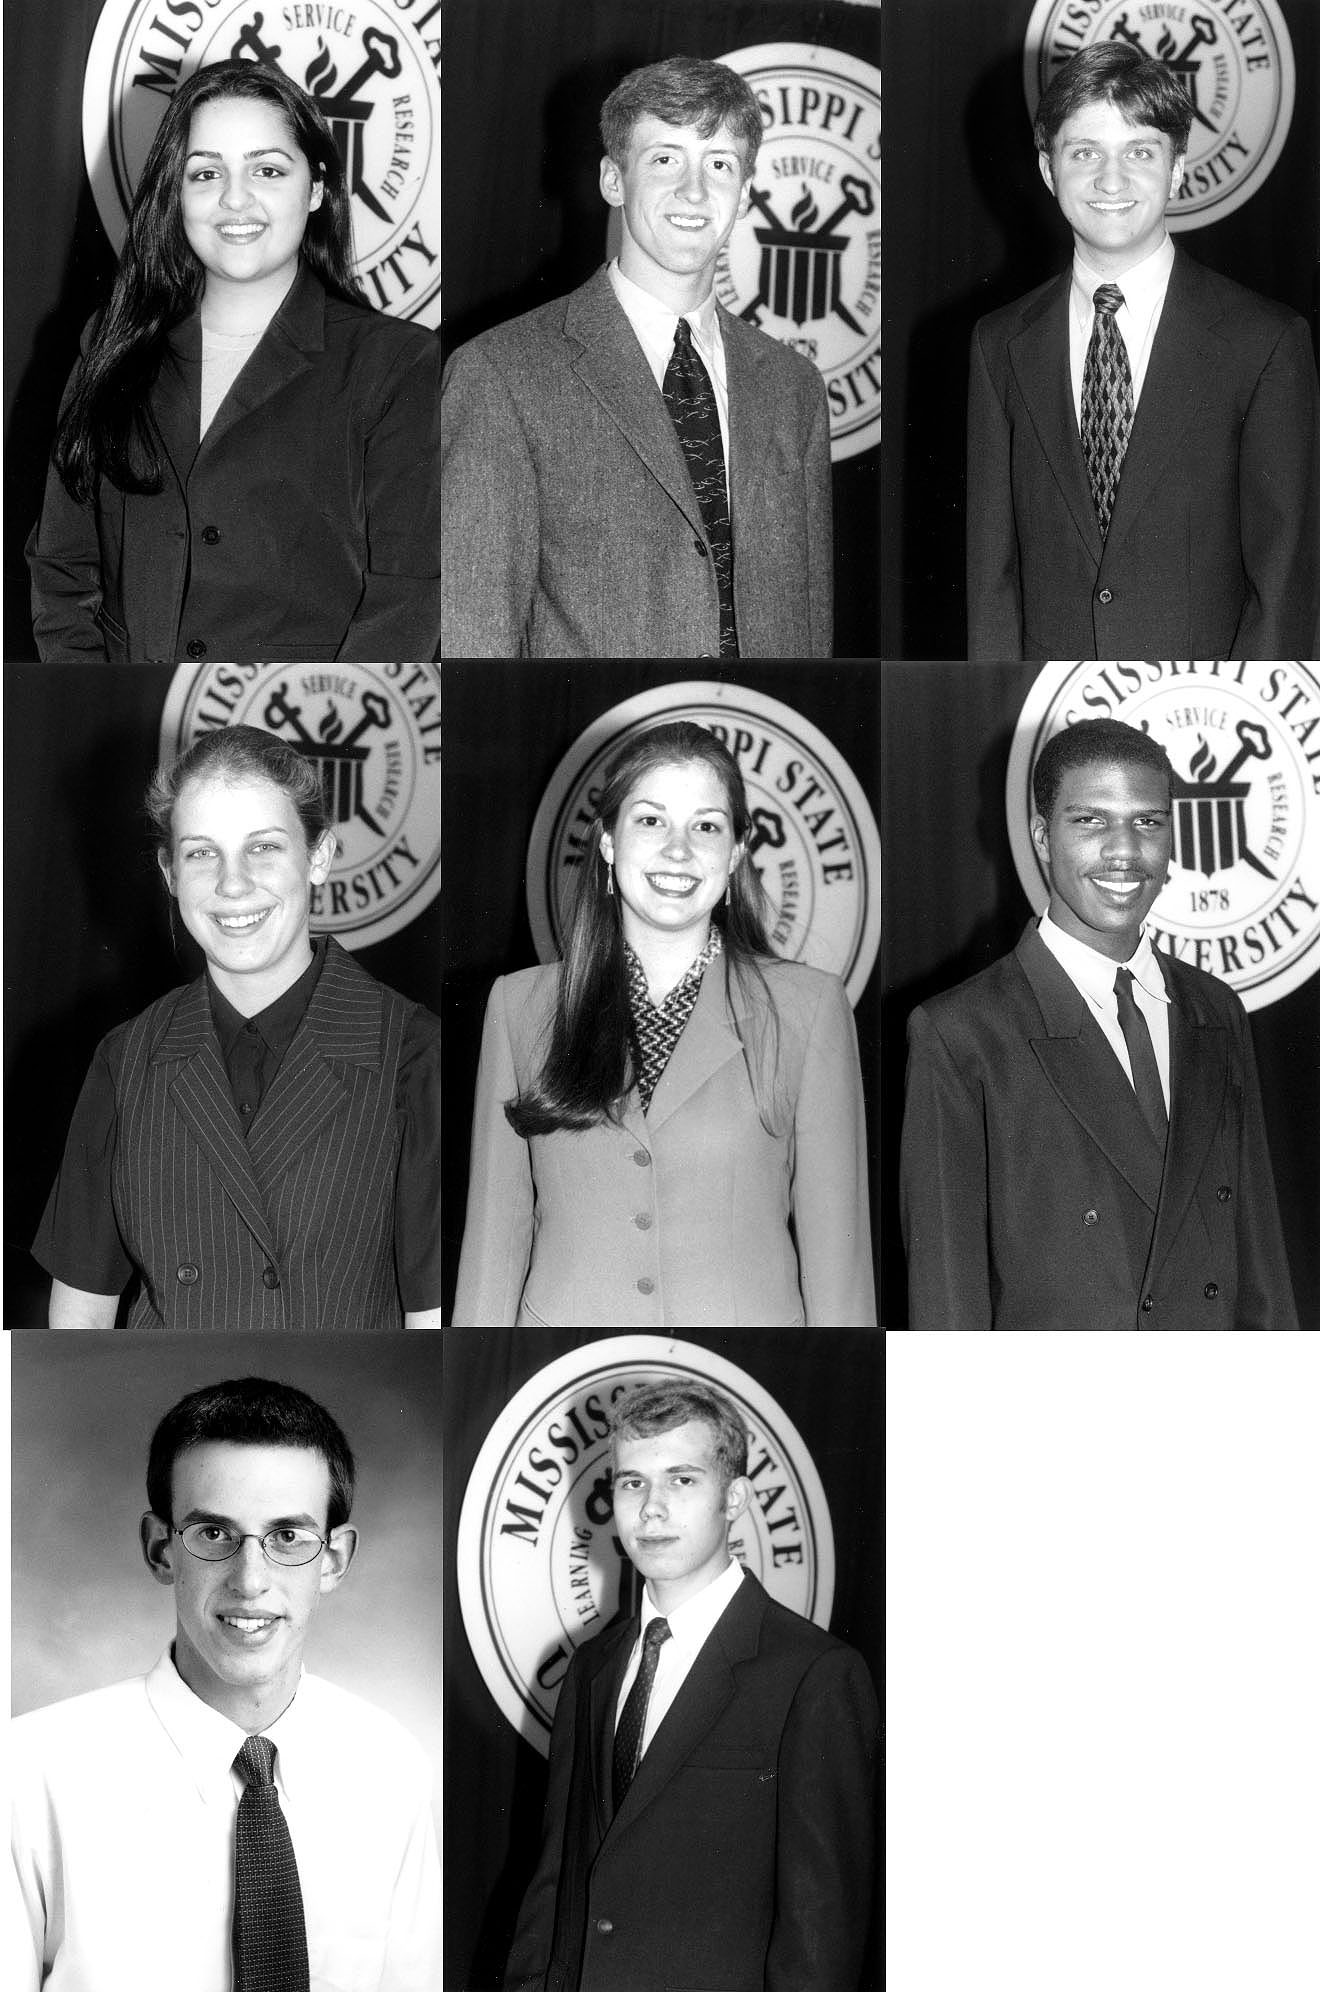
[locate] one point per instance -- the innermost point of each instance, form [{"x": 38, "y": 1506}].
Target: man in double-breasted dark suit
[
  {"x": 1083, "y": 1141},
  {"x": 581, "y": 514},
  {"x": 709, "y": 1819},
  {"x": 1143, "y": 435}
]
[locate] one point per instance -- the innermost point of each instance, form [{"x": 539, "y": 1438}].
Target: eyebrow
[
  {"x": 638, "y": 801},
  {"x": 205, "y": 837},
  {"x": 303, "y": 1521},
  {"x": 625, "y": 1471},
  {"x": 258, "y": 152}
]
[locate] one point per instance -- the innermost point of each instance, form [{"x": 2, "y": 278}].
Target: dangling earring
[
  {"x": 728, "y": 893},
  {"x": 609, "y": 881}
]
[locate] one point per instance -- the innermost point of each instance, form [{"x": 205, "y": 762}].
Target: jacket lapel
[
  {"x": 343, "y": 1023},
  {"x": 176, "y": 399},
  {"x": 613, "y": 367},
  {"x": 707, "y": 1042},
  {"x": 1075, "y": 1057},
  {"x": 752, "y": 414},
  {"x": 201, "y": 1097},
  {"x": 285, "y": 350},
  {"x": 1038, "y": 355},
  {"x": 1199, "y": 1063},
  {"x": 602, "y": 1697}
]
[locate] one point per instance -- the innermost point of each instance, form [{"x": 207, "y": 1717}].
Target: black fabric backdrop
[
  {"x": 506, "y": 730},
  {"x": 494, "y": 1783},
  {"x": 953, "y": 904},
  {"x": 523, "y": 218},
  {"x": 87, "y": 930},
  {"x": 969, "y": 225}
]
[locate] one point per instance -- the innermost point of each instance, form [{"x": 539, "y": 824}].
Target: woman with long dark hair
[
  {"x": 668, "y": 1128},
  {"x": 259, "y": 1149},
  {"x": 246, "y": 462}
]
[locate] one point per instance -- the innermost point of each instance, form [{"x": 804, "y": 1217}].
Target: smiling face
[
  {"x": 1106, "y": 851},
  {"x": 247, "y": 192},
  {"x": 680, "y": 195},
  {"x": 672, "y": 1511},
  {"x": 242, "y": 875},
  {"x": 242, "y": 1624},
  {"x": 1113, "y": 181},
  {"x": 673, "y": 850}
]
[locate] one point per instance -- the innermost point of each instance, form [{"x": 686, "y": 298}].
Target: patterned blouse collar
[{"x": 656, "y": 1028}]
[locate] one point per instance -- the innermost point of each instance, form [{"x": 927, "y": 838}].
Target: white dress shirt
[
  {"x": 654, "y": 325},
  {"x": 124, "y": 1803},
  {"x": 690, "y": 1626},
  {"x": 1143, "y": 288},
  {"x": 1093, "y": 974}
]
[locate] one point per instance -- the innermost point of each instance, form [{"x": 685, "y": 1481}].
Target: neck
[
  {"x": 666, "y": 958},
  {"x": 1119, "y": 263},
  {"x": 252, "y": 993},
  {"x": 666, "y": 1597},
  {"x": 227, "y": 307},
  {"x": 254, "y": 1708},
  {"x": 679, "y": 292}
]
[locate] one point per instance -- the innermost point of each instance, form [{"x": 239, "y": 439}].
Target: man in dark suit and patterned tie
[
  {"x": 710, "y": 1813},
  {"x": 1083, "y": 1142},
  {"x": 1143, "y": 435},
  {"x": 632, "y": 471}
]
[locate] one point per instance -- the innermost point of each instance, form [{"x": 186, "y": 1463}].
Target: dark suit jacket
[
  {"x": 571, "y": 528},
  {"x": 304, "y": 527},
  {"x": 741, "y": 1857},
  {"x": 1032, "y": 1191},
  {"x": 1214, "y": 545}
]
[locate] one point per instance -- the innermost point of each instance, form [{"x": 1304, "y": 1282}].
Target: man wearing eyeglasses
[{"x": 228, "y": 1823}]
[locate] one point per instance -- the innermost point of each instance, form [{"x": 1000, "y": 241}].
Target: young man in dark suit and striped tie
[
  {"x": 710, "y": 1813},
  {"x": 1143, "y": 435}
]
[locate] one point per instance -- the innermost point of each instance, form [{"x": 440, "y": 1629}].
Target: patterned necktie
[
  {"x": 1141, "y": 1054},
  {"x": 270, "y": 1936},
  {"x": 690, "y": 399},
  {"x": 1106, "y": 404},
  {"x": 632, "y": 1722}
]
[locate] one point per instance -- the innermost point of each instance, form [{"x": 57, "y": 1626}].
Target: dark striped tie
[
  {"x": 690, "y": 399},
  {"x": 632, "y": 1720},
  {"x": 1106, "y": 404},
  {"x": 270, "y": 1935},
  {"x": 1141, "y": 1055}
]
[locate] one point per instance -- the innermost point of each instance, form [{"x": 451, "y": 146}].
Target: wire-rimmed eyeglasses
[{"x": 214, "y": 1543}]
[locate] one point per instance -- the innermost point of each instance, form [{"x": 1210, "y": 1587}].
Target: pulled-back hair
[
  {"x": 1087, "y": 742},
  {"x": 682, "y": 90},
  {"x": 105, "y": 429},
  {"x": 238, "y": 754},
  {"x": 1143, "y": 88},
  {"x": 250, "y": 1411},
  {"x": 587, "y": 1069},
  {"x": 668, "y": 1403}
]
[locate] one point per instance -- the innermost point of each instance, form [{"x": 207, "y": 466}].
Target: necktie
[
  {"x": 632, "y": 1722},
  {"x": 1106, "y": 404},
  {"x": 270, "y": 1936},
  {"x": 1141, "y": 1054},
  {"x": 690, "y": 399}
]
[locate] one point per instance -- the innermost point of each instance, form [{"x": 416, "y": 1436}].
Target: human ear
[
  {"x": 607, "y": 847},
  {"x": 611, "y": 182},
  {"x": 1179, "y": 168},
  {"x": 157, "y": 1540},
  {"x": 336, "y": 1557},
  {"x": 1040, "y": 837},
  {"x": 736, "y": 857},
  {"x": 166, "y": 872},
  {"x": 1046, "y": 171},
  {"x": 317, "y": 196},
  {"x": 736, "y": 1497},
  {"x": 322, "y": 857}
]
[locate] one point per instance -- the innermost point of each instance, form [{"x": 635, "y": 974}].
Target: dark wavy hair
[
  {"x": 105, "y": 429},
  {"x": 1086, "y": 742},
  {"x": 238, "y": 754},
  {"x": 683, "y": 90},
  {"x": 671, "y": 1401},
  {"x": 587, "y": 1070},
  {"x": 250, "y": 1411},
  {"x": 1142, "y": 87}
]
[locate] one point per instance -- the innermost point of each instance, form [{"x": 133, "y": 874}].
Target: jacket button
[
  {"x": 1223, "y": 1193},
  {"x": 196, "y": 648},
  {"x": 210, "y": 535},
  {"x": 646, "y": 1286},
  {"x": 697, "y": 547},
  {"x": 270, "y": 1278},
  {"x": 1091, "y": 1217},
  {"x": 643, "y": 1220},
  {"x": 604, "y": 1925},
  {"x": 1147, "y": 1303},
  {"x": 188, "y": 1275},
  {"x": 641, "y": 1158},
  {"x": 1211, "y": 1290},
  {"x": 1106, "y": 596}
]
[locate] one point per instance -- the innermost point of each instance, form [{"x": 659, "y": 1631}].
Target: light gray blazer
[
  {"x": 569, "y": 525},
  {"x": 679, "y": 1217}
]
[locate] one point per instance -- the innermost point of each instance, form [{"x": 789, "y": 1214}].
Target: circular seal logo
[
  {"x": 804, "y": 262},
  {"x": 540, "y": 1567},
  {"x": 814, "y": 842},
  {"x": 372, "y": 66},
  {"x": 1235, "y": 63},
  {"x": 1243, "y": 892},
  {"x": 373, "y": 733}
]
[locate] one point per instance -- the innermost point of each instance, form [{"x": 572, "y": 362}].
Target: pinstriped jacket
[{"x": 291, "y": 1228}]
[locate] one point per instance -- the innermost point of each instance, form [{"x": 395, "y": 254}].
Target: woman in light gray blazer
[{"x": 668, "y": 1128}]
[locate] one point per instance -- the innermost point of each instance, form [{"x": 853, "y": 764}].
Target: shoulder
[
  {"x": 994, "y": 1005},
  {"x": 1202, "y": 993},
  {"x": 528, "y": 992},
  {"x": 786, "y": 1640},
  {"x": 776, "y": 363},
  {"x": 84, "y": 1728},
  {"x": 801, "y": 993},
  {"x": 997, "y": 327},
  {"x": 356, "y": 1732},
  {"x": 151, "y": 1024},
  {"x": 377, "y": 340},
  {"x": 530, "y": 339},
  {"x": 343, "y": 973},
  {"x": 1230, "y": 309}
]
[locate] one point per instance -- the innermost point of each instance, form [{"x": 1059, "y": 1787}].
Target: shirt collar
[
  {"x": 658, "y": 318},
  {"x": 639, "y": 988},
  {"x": 690, "y": 1623},
  {"x": 208, "y": 1742},
  {"x": 279, "y": 1021},
  {"x": 1093, "y": 973},
  {"x": 1143, "y": 286}
]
